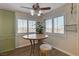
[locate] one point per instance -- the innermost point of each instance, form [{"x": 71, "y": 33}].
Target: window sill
[
  {"x": 59, "y": 33},
  {"x": 27, "y": 33},
  {"x": 49, "y": 32}
]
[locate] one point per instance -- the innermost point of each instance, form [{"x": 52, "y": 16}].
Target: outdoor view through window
[
  {"x": 59, "y": 24},
  {"x": 23, "y": 26}
]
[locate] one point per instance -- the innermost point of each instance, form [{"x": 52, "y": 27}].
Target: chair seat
[{"x": 45, "y": 47}]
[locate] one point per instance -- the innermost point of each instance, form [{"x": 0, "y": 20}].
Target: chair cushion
[{"x": 45, "y": 47}]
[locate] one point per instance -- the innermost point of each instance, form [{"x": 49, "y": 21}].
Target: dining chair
[{"x": 45, "y": 48}]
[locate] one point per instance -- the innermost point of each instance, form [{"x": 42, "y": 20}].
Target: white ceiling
[{"x": 17, "y": 6}]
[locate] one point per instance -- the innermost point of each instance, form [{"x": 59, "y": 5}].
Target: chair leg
[{"x": 43, "y": 53}]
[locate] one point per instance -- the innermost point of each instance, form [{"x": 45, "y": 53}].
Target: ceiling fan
[{"x": 37, "y": 8}]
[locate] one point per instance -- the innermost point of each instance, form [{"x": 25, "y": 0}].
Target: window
[
  {"x": 32, "y": 26},
  {"x": 59, "y": 24},
  {"x": 22, "y": 26},
  {"x": 48, "y": 26}
]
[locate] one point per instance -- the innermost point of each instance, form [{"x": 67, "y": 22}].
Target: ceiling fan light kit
[
  {"x": 32, "y": 12},
  {"x": 39, "y": 14},
  {"x": 36, "y": 10},
  {"x": 40, "y": 11}
]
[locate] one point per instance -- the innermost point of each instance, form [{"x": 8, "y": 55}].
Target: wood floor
[{"x": 25, "y": 51}]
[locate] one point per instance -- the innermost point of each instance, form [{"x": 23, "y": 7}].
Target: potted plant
[{"x": 39, "y": 28}]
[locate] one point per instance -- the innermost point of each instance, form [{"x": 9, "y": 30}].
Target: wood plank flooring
[{"x": 25, "y": 51}]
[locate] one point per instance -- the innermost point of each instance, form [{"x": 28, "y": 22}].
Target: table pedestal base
[{"x": 33, "y": 46}]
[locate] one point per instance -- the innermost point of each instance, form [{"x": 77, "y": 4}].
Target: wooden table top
[{"x": 35, "y": 36}]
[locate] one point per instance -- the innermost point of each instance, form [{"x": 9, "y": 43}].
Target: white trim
[
  {"x": 7, "y": 50},
  {"x": 21, "y": 46},
  {"x": 24, "y": 45},
  {"x": 63, "y": 51}
]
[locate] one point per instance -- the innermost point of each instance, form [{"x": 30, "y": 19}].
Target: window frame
[
  {"x": 51, "y": 25},
  {"x": 17, "y": 25},
  {"x": 27, "y": 26},
  {"x": 57, "y": 25}
]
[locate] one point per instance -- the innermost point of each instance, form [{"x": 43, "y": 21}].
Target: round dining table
[{"x": 33, "y": 38}]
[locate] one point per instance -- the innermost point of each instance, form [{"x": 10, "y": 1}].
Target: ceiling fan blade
[
  {"x": 45, "y": 8},
  {"x": 26, "y": 7}
]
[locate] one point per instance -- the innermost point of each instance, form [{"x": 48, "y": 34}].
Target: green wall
[{"x": 7, "y": 30}]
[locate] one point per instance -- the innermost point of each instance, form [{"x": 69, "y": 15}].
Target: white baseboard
[
  {"x": 63, "y": 51},
  {"x": 24, "y": 45},
  {"x": 6, "y": 50},
  {"x": 21, "y": 46}
]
